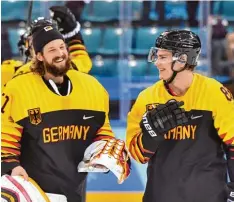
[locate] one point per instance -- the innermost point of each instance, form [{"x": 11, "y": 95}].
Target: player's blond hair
[{"x": 37, "y": 67}]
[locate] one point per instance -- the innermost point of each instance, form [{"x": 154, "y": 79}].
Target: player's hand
[
  {"x": 163, "y": 118},
  {"x": 230, "y": 192},
  {"x": 19, "y": 171},
  {"x": 64, "y": 17}
]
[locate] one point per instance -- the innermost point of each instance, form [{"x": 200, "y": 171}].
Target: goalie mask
[
  {"x": 16, "y": 189},
  {"x": 104, "y": 156}
]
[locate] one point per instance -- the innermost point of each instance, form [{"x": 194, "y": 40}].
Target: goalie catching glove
[
  {"x": 158, "y": 121},
  {"x": 104, "y": 156}
]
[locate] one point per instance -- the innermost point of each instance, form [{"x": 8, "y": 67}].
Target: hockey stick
[{"x": 30, "y": 6}]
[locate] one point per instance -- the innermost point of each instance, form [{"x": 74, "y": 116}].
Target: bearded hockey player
[{"x": 50, "y": 116}]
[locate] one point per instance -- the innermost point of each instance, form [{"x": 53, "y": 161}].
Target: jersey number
[
  {"x": 227, "y": 93},
  {"x": 5, "y": 103}
]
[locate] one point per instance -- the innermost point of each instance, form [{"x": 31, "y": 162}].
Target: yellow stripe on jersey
[
  {"x": 76, "y": 47},
  {"x": 10, "y": 138},
  {"x": 6, "y": 143},
  {"x": 3, "y": 155},
  {"x": 78, "y": 53},
  {"x": 11, "y": 151},
  {"x": 10, "y": 128},
  {"x": 75, "y": 41},
  {"x": 134, "y": 147}
]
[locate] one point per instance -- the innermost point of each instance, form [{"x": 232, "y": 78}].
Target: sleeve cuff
[
  {"x": 73, "y": 32},
  {"x": 7, "y": 167}
]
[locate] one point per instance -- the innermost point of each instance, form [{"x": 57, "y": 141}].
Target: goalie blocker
[{"x": 105, "y": 156}]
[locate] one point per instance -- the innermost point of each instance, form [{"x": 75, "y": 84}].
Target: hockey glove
[
  {"x": 91, "y": 152},
  {"x": 158, "y": 121},
  {"x": 67, "y": 24},
  {"x": 102, "y": 156}
]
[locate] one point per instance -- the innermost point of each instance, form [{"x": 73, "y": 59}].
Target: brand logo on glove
[{"x": 147, "y": 126}]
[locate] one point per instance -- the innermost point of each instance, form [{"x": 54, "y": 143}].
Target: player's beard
[{"x": 56, "y": 70}]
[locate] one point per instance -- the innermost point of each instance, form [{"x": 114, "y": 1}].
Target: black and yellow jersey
[
  {"x": 188, "y": 165},
  {"x": 47, "y": 133},
  {"x": 78, "y": 54}
]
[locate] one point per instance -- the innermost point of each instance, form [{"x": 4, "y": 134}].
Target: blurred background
[{"x": 118, "y": 36}]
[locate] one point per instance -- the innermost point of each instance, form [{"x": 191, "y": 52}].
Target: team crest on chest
[
  {"x": 35, "y": 116},
  {"x": 151, "y": 106}
]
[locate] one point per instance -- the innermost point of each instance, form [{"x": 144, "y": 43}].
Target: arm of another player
[
  {"x": 223, "y": 113},
  {"x": 140, "y": 151},
  {"x": 79, "y": 55},
  {"x": 10, "y": 138}
]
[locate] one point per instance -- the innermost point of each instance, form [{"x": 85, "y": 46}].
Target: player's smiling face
[
  {"x": 55, "y": 53},
  {"x": 55, "y": 58},
  {"x": 163, "y": 63}
]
